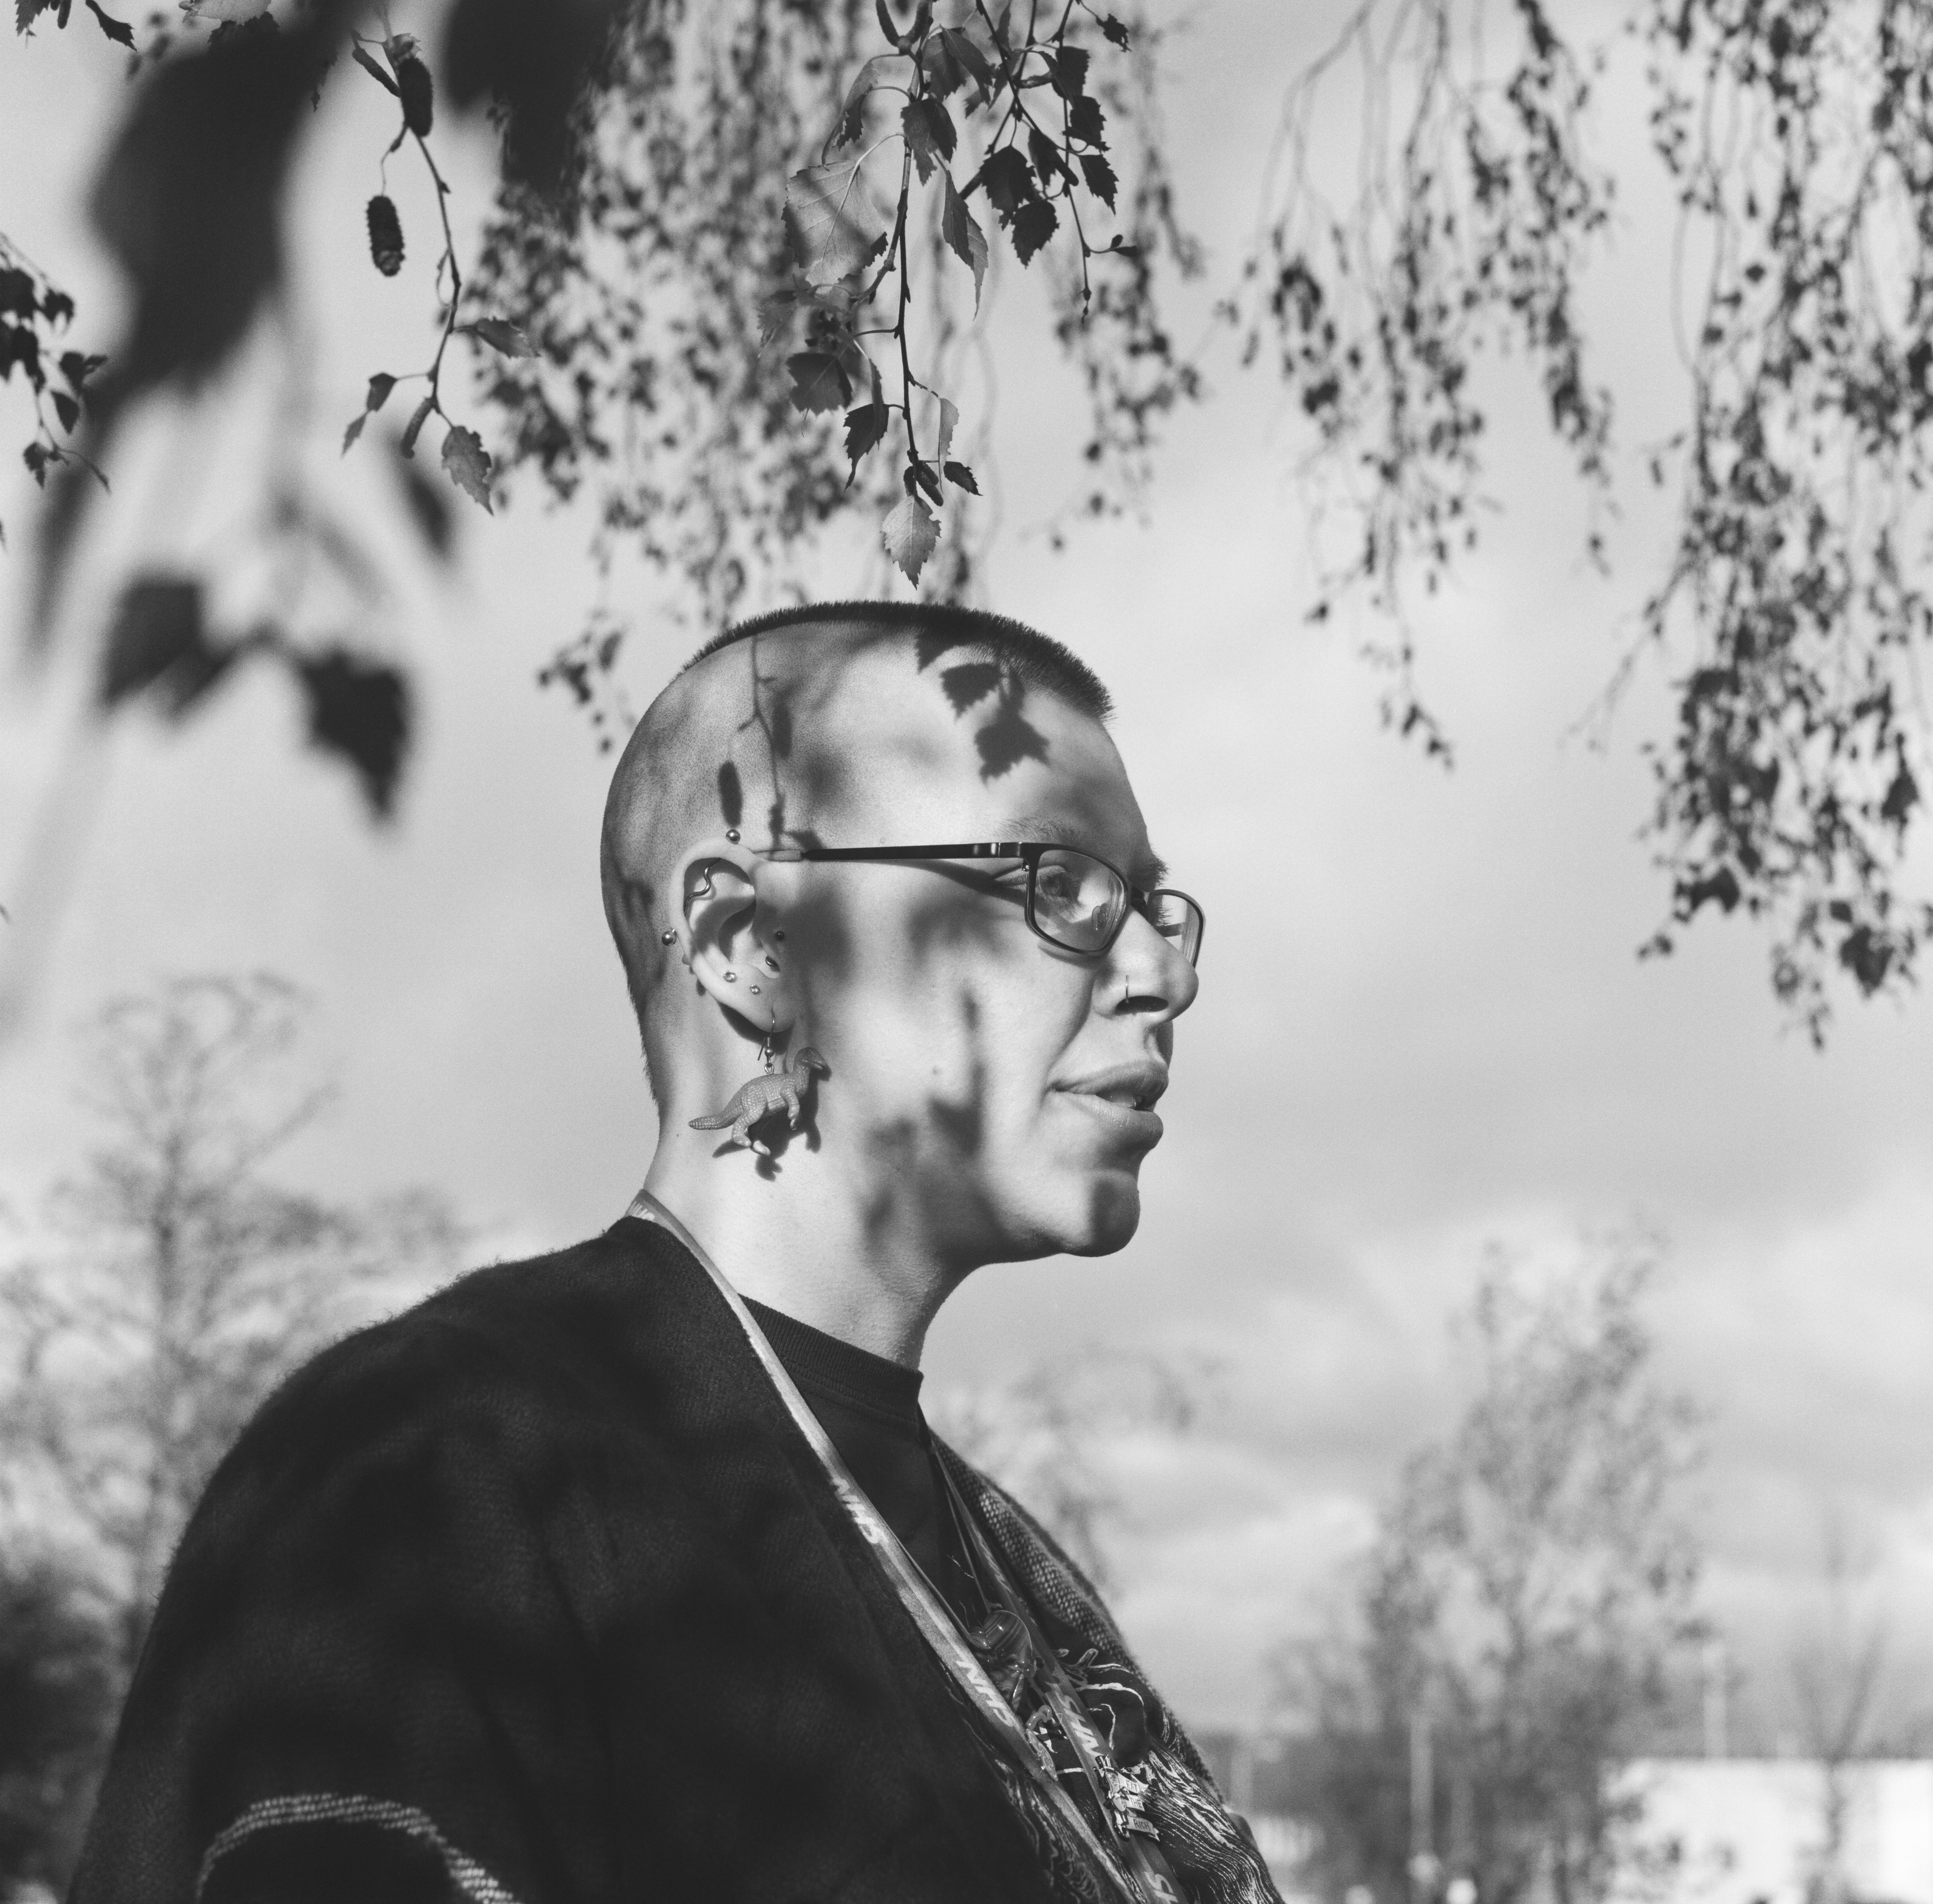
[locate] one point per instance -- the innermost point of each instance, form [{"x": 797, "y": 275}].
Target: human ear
[{"x": 719, "y": 925}]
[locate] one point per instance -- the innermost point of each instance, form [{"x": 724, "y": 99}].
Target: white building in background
[
  {"x": 1752, "y": 1831},
  {"x": 1711, "y": 1830}
]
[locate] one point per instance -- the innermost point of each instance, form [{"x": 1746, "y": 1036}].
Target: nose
[{"x": 1157, "y": 984}]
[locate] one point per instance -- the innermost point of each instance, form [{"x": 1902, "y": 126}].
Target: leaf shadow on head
[
  {"x": 1009, "y": 737},
  {"x": 930, "y": 644},
  {"x": 774, "y": 725},
  {"x": 970, "y": 684}
]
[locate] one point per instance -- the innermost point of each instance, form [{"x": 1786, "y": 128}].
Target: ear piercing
[
  {"x": 731, "y": 978},
  {"x": 731, "y": 834},
  {"x": 668, "y": 938},
  {"x": 780, "y": 936},
  {"x": 755, "y": 991}
]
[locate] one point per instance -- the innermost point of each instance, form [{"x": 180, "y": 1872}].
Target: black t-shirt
[{"x": 870, "y": 1407}]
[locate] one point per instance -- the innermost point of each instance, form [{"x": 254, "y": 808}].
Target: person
[{"x": 633, "y": 1572}]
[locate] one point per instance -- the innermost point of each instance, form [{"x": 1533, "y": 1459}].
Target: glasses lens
[
  {"x": 1077, "y": 902},
  {"x": 1176, "y": 917}
]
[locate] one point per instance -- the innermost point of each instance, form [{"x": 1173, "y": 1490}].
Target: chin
[{"x": 1113, "y": 1215}]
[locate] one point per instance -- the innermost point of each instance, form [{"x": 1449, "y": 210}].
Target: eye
[{"x": 1057, "y": 885}]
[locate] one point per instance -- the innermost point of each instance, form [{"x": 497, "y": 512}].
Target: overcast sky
[{"x": 1425, "y": 981}]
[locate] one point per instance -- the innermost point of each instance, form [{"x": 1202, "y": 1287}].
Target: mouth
[{"x": 1123, "y": 1098}]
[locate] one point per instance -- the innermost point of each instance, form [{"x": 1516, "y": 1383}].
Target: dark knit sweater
[{"x": 536, "y": 1594}]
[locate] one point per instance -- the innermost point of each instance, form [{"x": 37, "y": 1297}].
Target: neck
[{"x": 808, "y": 1239}]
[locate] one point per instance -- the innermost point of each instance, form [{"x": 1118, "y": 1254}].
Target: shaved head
[{"x": 815, "y": 725}]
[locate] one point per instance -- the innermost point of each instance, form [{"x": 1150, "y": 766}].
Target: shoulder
[
  {"x": 480, "y": 1379},
  {"x": 339, "y": 1615},
  {"x": 540, "y": 1322}
]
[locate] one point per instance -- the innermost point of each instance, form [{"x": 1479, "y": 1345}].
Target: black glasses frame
[{"x": 1029, "y": 852}]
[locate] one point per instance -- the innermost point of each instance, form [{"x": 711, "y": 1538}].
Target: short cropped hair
[{"x": 1038, "y": 659}]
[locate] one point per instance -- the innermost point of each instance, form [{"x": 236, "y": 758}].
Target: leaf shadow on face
[{"x": 964, "y": 1124}]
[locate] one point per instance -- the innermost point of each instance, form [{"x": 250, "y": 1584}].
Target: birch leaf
[
  {"x": 852, "y": 114},
  {"x": 468, "y": 463},
  {"x": 835, "y": 223},
  {"x": 963, "y": 234},
  {"x": 501, "y": 335},
  {"x": 910, "y": 535}
]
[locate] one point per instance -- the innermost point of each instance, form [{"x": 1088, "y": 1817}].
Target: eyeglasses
[{"x": 1075, "y": 900}]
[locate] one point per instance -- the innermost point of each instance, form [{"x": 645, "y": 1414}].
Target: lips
[
  {"x": 1121, "y": 1098},
  {"x": 1130, "y": 1087}
]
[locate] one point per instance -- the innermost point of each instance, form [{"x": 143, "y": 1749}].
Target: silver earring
[
  {"x": 668, "y": 938},
  {"x": 731, "y": 978},
  {"x": 780, "y": 937},
  {"x": 731, "y": 834},
  {"x": 755, "y": 991}
]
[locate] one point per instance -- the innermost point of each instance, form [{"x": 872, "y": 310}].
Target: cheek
[
  {"x": 1025, "y": 1034},
  {"x": 945, "y": 1005}
]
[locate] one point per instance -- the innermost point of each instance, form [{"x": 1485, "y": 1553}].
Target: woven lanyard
[{"x": 929, "y": 1612}]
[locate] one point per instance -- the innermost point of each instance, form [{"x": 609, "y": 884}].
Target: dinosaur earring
[{"x": 766, "y": 1095}]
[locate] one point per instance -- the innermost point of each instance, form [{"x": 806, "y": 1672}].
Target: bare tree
[
  {"x": 178, "y": 1284},
  {"x": 1836, "y": 1678},
  {"x": 1517, "y": 1621}
]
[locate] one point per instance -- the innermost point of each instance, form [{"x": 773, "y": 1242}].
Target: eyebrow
[{"x": 1147, "y": 871}]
